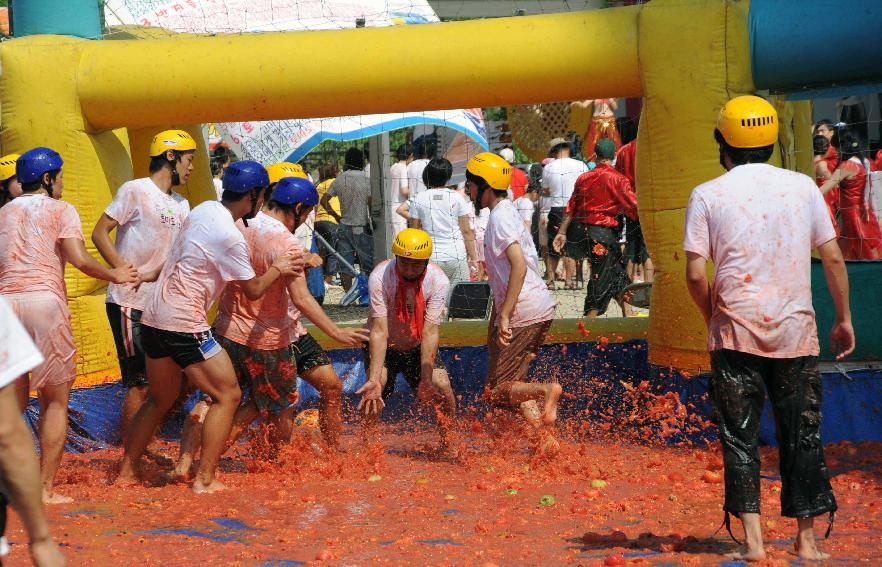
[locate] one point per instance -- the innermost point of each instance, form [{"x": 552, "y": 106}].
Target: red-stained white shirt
[
  {"x": 383, "y": 293},
  {"x": 149, "y": 221},
  {"x": 264, "y": 323},
  {"x": 209, "y": 252},
  {"x": 759, "y": 224},
  {"x": 535, "y": 303},
  {"x": 18, "y": 353},
  {"x": 31, "y": 230}
]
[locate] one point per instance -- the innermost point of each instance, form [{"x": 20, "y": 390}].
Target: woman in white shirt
[{"x": 444, "y": 214}]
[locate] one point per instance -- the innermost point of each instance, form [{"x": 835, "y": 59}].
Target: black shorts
[
  {"x": 635, "y": 247},
  {"x": 577, "y": 240},
  {"x": 555, "y": 218},
  {"x": 407, "y": 362},
  {"x": 125, "y": 323},
  {"x": 184, "y": 348},
  {"x": 308, "y": 354},
  {"x": 608, "y": 276}
]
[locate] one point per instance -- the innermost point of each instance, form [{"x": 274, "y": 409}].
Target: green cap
[{"x": 605, "y": 149}]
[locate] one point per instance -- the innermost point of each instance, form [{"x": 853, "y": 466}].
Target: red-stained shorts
[{"x": 47, "y": 320}]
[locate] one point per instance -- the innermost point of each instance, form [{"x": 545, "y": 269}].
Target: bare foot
[
  {"x": 45, "y": 553},
  {"x": 745, "y": 554},
  {"x": 810, "y": 552},
  {"x": 182, "y": 468},
  {"x": 215, "y": 486},
  {"x": 52, "y": 497},
  {"x": 548, "y": 446},
  {"x": 552, "y": 395}
]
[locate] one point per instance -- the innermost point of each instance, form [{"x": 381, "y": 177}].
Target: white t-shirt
[
  {"x": 209, "y": 252},
  {"x": 439, "y": 211},
  {"x": 759, "y": 224},
  {"x": 535, "y": 303},
  {"x": 415, "y": 176},
  {"x": 383, "y": 293},
  {"x": 560, "y": 177},
  {"x": 218, "y": 187},
  {"x": 398, "y": 181},
  {"x": 18, "y": 353},
  {"x": 149, "y": 221},
  {"x": 525, "y": 208}
]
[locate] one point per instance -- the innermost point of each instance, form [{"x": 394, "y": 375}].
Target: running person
[
  {"x": 759, "y": 224},
  {"x": 10, "y": 188},
  {"x": 523, "y": 307},
  {"x": 265, "y": 339},
  {"x": 407, "y": 299},
  {"x": 40, "y": 233},
  {"x": 147, "y": 215},
  {"x": 209, "y": 252}
]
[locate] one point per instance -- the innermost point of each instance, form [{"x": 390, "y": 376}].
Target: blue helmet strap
[{"x": 255, "y": 195}]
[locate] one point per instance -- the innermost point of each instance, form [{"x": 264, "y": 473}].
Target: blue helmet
[
  {"x": 243, "y": 176},
  {"x": 294, "y": 190},
  {"x": 32, "y": 164}
]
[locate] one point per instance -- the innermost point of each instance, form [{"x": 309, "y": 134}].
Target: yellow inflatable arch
[{"x": 99, "y": 103}]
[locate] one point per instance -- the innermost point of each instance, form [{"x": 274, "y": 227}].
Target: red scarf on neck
[{"x": 414, "y": 321}]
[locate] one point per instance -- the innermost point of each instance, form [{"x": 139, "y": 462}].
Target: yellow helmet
[
  {"x": 283, "y": 169},
  {"x": 748, "y": 122},
  {"x": 413, "y": 243},
  {"x": 7, "y": 166},
  {"x": 171, "y": 140},
  {"x": 491, "y": 168}
]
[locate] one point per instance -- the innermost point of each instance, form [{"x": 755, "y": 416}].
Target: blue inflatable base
[{"x": 596, "y": 377}]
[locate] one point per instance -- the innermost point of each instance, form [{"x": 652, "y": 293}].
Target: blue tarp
[{"x": 594, "y": 375}]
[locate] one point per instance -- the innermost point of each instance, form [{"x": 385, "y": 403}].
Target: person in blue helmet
[
  {"x": 40, "y": 233},
  {"x": 265, "y": 338},
  {"x": 176, "y": 336}
]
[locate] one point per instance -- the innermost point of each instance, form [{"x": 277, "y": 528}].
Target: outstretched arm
[{"x": 309, "y": 307}]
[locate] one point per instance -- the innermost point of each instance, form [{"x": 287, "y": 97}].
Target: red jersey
[
  {"x": 519, "y": 182},
  {"x": 626, "y": 161},
  {"x": 600, "y": 195},
  {"x": 832, "y": 158}
]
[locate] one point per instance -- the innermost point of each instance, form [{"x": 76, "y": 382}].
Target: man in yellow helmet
[
  {"x": 407, "y": 299},
  {"x": 10, "y": 188},
  {"x": 523, "y": 307},
  {"x": 147, "y": 214},
  {"x": 758, "y": 224}
]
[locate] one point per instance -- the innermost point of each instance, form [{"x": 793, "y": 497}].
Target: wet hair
[
  {"x": 403, "y": 151},
  {"x": 354, "y": 159},
  {"x": 425, "y": 147},
  {"x": 741, "y": 156},
  {"x": 38, "y": 184},
  {"x": 158, "y": 162},
  {"x": 233, "y": 196},
  {"x": 285, "y": 208},
  {"x": 850, "y": 145},
  {"x": 437, "y": 173},
  {"x": 327, "y": 171},
  {"x": 820, "y": 145}
]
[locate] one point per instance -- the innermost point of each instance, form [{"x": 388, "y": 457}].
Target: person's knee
[{"x": 229, "y": 394}]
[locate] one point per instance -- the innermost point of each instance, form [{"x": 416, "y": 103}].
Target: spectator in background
[
  {"x": 221, "y": 158},
  {"x": 861, "y": 238},
  {"x": 325, "y": 223},
  {"x": 820, "y": 147},
  {"x": 399, "y": 186},
  {"x": 600, "y": 195},
  {"x": 355, "y": 233},
  {"x": 640, "y": 266},
  {"x": 444, "y": 214},
  {"x": 826, "y": 129},
  {"x": 603, "y": 125},
  {"x": 424, "y": 149},
  {"x": 526, "y": 206},
  {"x": 558, "y": 180},
  {"x": 519, "y": 180}
]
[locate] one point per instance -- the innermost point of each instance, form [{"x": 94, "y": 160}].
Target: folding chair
[{"x": 470, "y": 300}]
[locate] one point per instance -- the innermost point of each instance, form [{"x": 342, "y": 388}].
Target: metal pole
[{"x": 380, "y": 209}]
